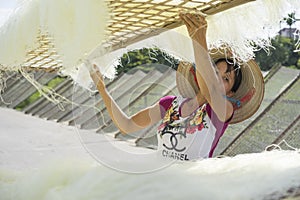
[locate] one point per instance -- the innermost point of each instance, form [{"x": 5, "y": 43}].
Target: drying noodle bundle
[
  {"x": 245, "y": 29},
  {"x": 56, "y": 34},
  {"x": 249, "y": 27},
  {"x": 76, "y": 29}
]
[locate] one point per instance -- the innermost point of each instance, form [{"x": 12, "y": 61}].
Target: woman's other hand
[{"x": 97, "y": 76}]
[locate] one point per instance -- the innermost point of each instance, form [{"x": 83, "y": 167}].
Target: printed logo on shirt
[
  {"x": 173, "y": 140},
  {"x": 172, "y": 135},
  {"x": 174, "y": 129},
  {"x": 174, "y": 155}
]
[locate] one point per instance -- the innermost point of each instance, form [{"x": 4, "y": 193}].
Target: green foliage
[
  {"x": 144, "y": 58},
  {"x": 283, "y": 53},
  {"x": 36, "y": 95},
  {"x": 290, "y": 19}
]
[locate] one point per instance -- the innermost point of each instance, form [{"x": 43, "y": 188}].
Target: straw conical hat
[{"x": 250, "y": 92}]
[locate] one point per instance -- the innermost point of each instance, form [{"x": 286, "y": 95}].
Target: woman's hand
[
  {"x": 97, "y": 77},
  {"x": 196, "y": 25},
  {"x": 138, "y": 121}
]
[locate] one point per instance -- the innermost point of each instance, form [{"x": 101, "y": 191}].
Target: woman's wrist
[
  {"x": 200, "y": 42},
  {"x": 98, "y": 79}
]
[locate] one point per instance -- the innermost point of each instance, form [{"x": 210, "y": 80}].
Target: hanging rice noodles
[
  {"x": 245, "y": 29},
  {"x": 77, "y": 27},
  {"x": 70, "y": 29}
]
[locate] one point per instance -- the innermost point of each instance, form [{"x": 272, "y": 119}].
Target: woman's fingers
[
  {"x": 188, "y": 21},
  {"x": 193, "y": 22},
  {"x": 191, "y": 27},
  {"x": 193, "y": 19}
]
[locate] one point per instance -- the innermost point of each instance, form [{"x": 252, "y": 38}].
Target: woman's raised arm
[
  {"x": 210, "y": 86},
  {"x": 136, "y": 122}
]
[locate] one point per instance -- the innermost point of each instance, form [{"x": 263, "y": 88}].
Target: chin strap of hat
[
  {"x": 246, "y": 98},
  {"x": 233, "y": 100}
]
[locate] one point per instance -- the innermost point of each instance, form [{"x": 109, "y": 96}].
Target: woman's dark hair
[{"x": 231, "y": 65}]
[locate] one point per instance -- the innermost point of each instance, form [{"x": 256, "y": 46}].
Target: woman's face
[{"x": 227, "y": 78}]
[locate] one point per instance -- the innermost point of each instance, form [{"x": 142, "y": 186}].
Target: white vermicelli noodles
[{"x": 74, "y": 26}]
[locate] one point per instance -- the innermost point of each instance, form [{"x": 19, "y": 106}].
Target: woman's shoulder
[
  {"x": 166, "y": 101},
  {"x": 167, "y": 98}
]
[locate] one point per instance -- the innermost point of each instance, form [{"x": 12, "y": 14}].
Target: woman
[{"x": 211, "y": 98}]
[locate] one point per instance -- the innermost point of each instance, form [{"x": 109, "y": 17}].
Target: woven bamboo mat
[{"x": 135, "y": 20}]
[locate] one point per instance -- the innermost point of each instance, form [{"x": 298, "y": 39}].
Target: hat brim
[{"x": 185, "y": 80}]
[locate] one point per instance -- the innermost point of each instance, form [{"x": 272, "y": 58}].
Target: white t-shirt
[{"x": 187, "y": 138}]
